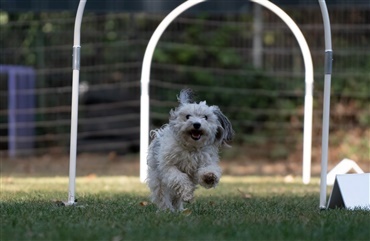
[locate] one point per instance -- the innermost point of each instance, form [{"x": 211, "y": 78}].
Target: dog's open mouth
[{"x": 196, "y": 134}]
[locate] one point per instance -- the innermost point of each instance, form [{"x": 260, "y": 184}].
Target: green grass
[{"x": 109, "y": 208}]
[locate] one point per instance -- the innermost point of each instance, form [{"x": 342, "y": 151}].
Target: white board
[{"x": 351, "y": 191}]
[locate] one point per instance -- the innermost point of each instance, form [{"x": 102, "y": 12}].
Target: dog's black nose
[{"x": 196, "y": 125}]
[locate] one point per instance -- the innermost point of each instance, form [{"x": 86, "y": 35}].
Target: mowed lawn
[{"x": 117, "y": 208}]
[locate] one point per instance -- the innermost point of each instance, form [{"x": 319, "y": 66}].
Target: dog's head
[{"x": 198, "y": 124}]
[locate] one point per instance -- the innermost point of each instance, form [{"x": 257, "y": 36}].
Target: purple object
[{"x": 21, "y": 106}]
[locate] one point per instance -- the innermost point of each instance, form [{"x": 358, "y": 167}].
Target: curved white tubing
[
  {"x": 145, "y": 79},
  {"x": 308, "y": 100},
  {"x": 74, "y": 109},
  {"x": 326, "y": 104}
]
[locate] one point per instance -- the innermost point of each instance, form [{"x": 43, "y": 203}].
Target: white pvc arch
[
  {"x": 145, "y": 80},
  {"x": 326, "y": 104},
  {"x": 74, "y": 105}
]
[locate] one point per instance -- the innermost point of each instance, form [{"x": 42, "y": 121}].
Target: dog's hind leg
[
  {"x": 177, "y": 203},
  {"x": 161, "y": 197},
  {"x": 157, "y": 189}
]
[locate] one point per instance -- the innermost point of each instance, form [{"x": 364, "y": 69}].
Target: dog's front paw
[
  {"x": 210, "y": 179},
  {"x": 187, "y": 197},
  {"x": 185, "y": 193}
]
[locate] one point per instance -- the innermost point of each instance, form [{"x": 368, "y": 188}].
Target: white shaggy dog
[{"x": 184, "y": 152}]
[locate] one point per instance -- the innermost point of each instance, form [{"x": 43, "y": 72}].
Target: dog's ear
[
  {"x": 173, "y": 114},
  {"x": 186, "y": 96},
  {"x": 220, "y": 134},
  {"x": 225, "y": 132}
]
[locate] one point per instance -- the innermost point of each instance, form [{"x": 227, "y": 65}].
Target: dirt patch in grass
[
  {"x": 248, "y": 159},
  {"x": 113, "y": 164}
]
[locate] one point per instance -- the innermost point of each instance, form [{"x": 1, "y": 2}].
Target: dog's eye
[
  {"x": 206, "y": 117},
  {"x": 188, "y": 116}
]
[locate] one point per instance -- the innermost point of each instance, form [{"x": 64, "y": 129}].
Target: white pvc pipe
[
  {"x": 308, "y": 104},
  {"x": 74, "y": 109},
  {"x": 145, "y": 79},
  {"x": 326, "y": 104}
]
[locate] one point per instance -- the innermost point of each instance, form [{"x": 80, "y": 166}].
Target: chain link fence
[{"x": 212, "y": 53}]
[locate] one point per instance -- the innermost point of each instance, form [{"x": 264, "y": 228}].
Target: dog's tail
[{"x": 186, "y": 96}]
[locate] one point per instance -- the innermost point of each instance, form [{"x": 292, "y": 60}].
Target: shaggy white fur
[{"x": 184, "y": 152}]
